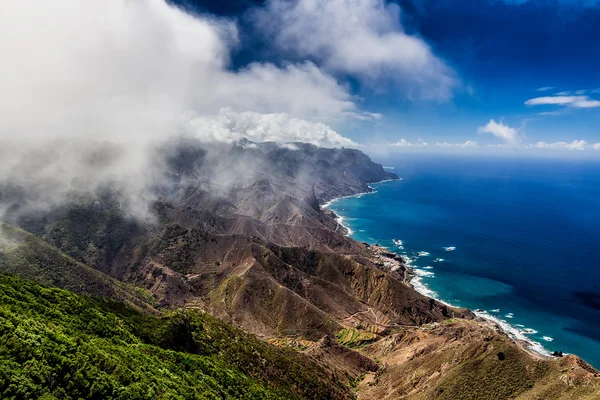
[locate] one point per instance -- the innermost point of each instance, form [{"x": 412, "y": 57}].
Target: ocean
[{"x": 517, "y": 239}]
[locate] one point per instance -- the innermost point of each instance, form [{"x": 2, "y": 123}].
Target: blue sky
[
  {"x": 500, "y": 54},
  {"x": 384, "y": 76}
]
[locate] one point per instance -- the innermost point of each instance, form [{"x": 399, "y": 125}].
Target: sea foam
[
  {"x": 517, "y": 334},
  {"x": 425, "y": 274}
]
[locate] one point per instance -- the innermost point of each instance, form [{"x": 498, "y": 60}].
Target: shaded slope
[{"x": 26, "y": 255}]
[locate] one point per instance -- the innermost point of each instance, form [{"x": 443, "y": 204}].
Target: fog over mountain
[{"x": 92, "y": 89}]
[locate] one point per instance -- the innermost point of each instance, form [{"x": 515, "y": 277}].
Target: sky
[
  {"x": 516, "y": 76},
  {"x": 475, "y": 73}
]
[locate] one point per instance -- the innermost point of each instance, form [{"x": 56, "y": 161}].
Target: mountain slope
[
  {"x": 28, "y": 256},
  {"x": 56, "y": 344},
  {"x": 237, "y": 231},
  {"x": 271, "y": 290},
  {"x": 469, "y": 360}
]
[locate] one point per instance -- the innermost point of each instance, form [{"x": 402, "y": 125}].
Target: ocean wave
[
  {"x": 528, "y": 331},
  {"x": 419, "y": 286},
  {"x": 425, "y": 274},
  {"x": 423, "y": 254},
  {"x": 450, "y": 248},
  {"x": 517, "y": 334},
  {"x": 387, "y": 180},
  {"x": 439, "y": 260},
  {"x": 407, "y": 260},
  {"x": 548, "y": 338},
  {"x": 352, "y": 196},
  {"x": 340, "y": 220}
]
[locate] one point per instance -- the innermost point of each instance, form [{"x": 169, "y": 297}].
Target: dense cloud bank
[{"x": 91, "y": 89}]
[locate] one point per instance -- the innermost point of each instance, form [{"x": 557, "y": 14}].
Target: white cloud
[
  {"x": 571, "y": 101},
  {"x": 574, "y": 145},
  {"x": 578, "y": 145},
  {"x": 230, "y": 126},
  {"x": 288, "y": 146},
  {"x": 555, "y": 112},
  {"x": 509, "y": 135},
  {"x": 545, "y": 88},
  {"x": 576, "y": 92},
  {"x": 135, "y": 69},
  {"x": 405, "y": 143},
  {"x": 365, "y": 116},
  {"x": 469, "y": 144},
  {"x": 363, "y": 38},
  {"x": 587, "y": 103},
  {"x": 512, "y": 140},
  {"x": 420, "y": 143},
  {"x": 77, "y": 75}
]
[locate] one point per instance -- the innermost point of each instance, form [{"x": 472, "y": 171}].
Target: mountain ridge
[{"x": 237, "y": 231}]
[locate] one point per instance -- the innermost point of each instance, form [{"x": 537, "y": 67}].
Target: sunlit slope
[{"x": 57, "y": 344}]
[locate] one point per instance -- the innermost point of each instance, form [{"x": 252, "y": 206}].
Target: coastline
[
  {"x": 532, "y": 347},
  {"x": 339, "y": 219}
]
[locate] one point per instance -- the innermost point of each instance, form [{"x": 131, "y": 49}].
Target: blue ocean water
[{"x": 526, "y": 233}]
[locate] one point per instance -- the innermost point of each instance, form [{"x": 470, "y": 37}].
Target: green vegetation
[
  {"x": 500, "y": 373},
  {"x": 355, "y": 337},
  {"x": 55, "y": 344},
  {"x": 93, "y": 233}
]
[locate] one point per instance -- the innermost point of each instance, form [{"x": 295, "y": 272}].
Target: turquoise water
[{"x": 526, "y": 233}]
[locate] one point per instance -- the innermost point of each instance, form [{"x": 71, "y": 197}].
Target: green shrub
[{"x": 55, "y": 344}]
